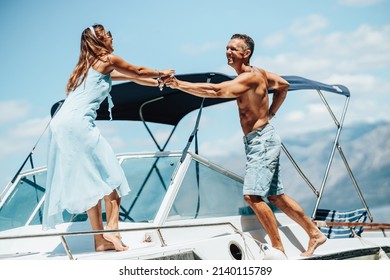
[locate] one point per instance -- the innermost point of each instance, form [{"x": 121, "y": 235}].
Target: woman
[{"x": 82, "y": 167}]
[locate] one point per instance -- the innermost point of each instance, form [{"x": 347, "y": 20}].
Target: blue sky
[{"x": 339, "y": 41}]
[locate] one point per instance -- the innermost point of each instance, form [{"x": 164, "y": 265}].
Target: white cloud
[
  {"x": 295, "y": 116},
  {"x": 122, "y": 136},
  {"x": 369, "y": 96},
  {"x": 224, "y": 146},
  {"x": 29, "y": 129},
  {"x": 308, "y": 25},
  {"x": 358, "y": 59},
  {"x": 364, "y": 49},
  {"x": 295, "y": 64},
  {"x": 367, "y": 48},
  {"x": 274, "y": 40},
  {"x": 193, "y": 49},
  {"x": 13, "y": 110},
  {"x": 310, "y": 116},
  {"x": 18, "y": 138},
  {"x": 22, "y": 137},
  {"x": 381, "y": 214},
  {"x": 362, "y": 85}
]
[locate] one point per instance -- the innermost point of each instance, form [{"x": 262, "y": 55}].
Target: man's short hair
[{"x": 249, "y": 43}]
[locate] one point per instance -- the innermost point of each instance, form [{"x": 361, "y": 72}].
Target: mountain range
[{"x": 367, "y": 150}]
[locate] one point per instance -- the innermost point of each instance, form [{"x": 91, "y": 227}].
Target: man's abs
[{"x": 253, "y": 112}]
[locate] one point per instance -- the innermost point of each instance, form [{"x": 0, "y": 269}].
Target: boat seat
[{"x": 358, "y": 215}]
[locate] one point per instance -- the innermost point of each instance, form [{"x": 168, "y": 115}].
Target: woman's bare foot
[
  {"x": 314, "y": 243},
  {"x": 104, "y": 245},
  {"x": 115, "y": 241},
  {"x": 112, "y": 224},
  {"x": 108, "y": 242}
]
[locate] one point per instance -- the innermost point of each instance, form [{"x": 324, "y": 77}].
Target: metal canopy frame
[
  {"x": 336, "y": 146},
  {"x": 149, "y": 130},
  {"x": 194, "y": 135}
]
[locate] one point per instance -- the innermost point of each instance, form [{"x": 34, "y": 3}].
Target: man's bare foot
[
  {"x": 314, "y": 243},
  {"x": 116, "y": 241},
  {"x": 282, "y": 251}
]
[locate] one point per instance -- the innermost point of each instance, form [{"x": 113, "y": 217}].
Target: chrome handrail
[
  {"x": 75, "y": 233},
  {"x": 62, "y": 235}
]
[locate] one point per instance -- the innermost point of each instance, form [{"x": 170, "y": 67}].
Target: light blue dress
[{"x": 82, "y": 167}]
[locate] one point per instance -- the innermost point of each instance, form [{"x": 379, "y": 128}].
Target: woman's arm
[
  {"x": 135, "y": 72},
  {"x": 117, "y": 76}
]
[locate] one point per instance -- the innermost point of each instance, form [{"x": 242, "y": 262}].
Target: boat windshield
[
  {"x": 21, "y": 207},
  {"x": 149, "y": 179},
  {"x": 207, "y": 191},
  {"x": 149, "y": 176}
]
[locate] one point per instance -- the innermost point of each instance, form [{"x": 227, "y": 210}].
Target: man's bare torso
[{"x": 253, "y": 105}]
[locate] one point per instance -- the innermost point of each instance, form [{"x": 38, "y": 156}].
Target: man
[{"x": 262, "y": 143}]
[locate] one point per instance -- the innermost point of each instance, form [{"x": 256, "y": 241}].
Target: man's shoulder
[
  {"x": 259, "y": 74},
  {"x": 254, "y": 71},
  {"x": 251, "y": 76},
  {"x": 259, "y": 69}
]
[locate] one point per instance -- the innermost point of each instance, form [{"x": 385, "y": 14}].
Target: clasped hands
[{"x": 168, "y": 79}]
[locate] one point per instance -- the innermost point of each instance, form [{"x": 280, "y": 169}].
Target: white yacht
[{"x": 182, "y": 206}]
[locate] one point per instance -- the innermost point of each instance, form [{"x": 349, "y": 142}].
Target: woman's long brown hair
[{"x": 92, "y": 49}]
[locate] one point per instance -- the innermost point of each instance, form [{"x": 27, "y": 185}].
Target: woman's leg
[
  {"x": 95, "y": 218},
  {"x": 112, "y": 202}
]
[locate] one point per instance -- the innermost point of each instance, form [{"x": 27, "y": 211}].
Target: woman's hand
[{"x": 166, "y": 72}]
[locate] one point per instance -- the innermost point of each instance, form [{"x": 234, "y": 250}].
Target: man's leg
[
  {"x": 295, "y": 212},
  {"x": 266, "y": 218}
]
